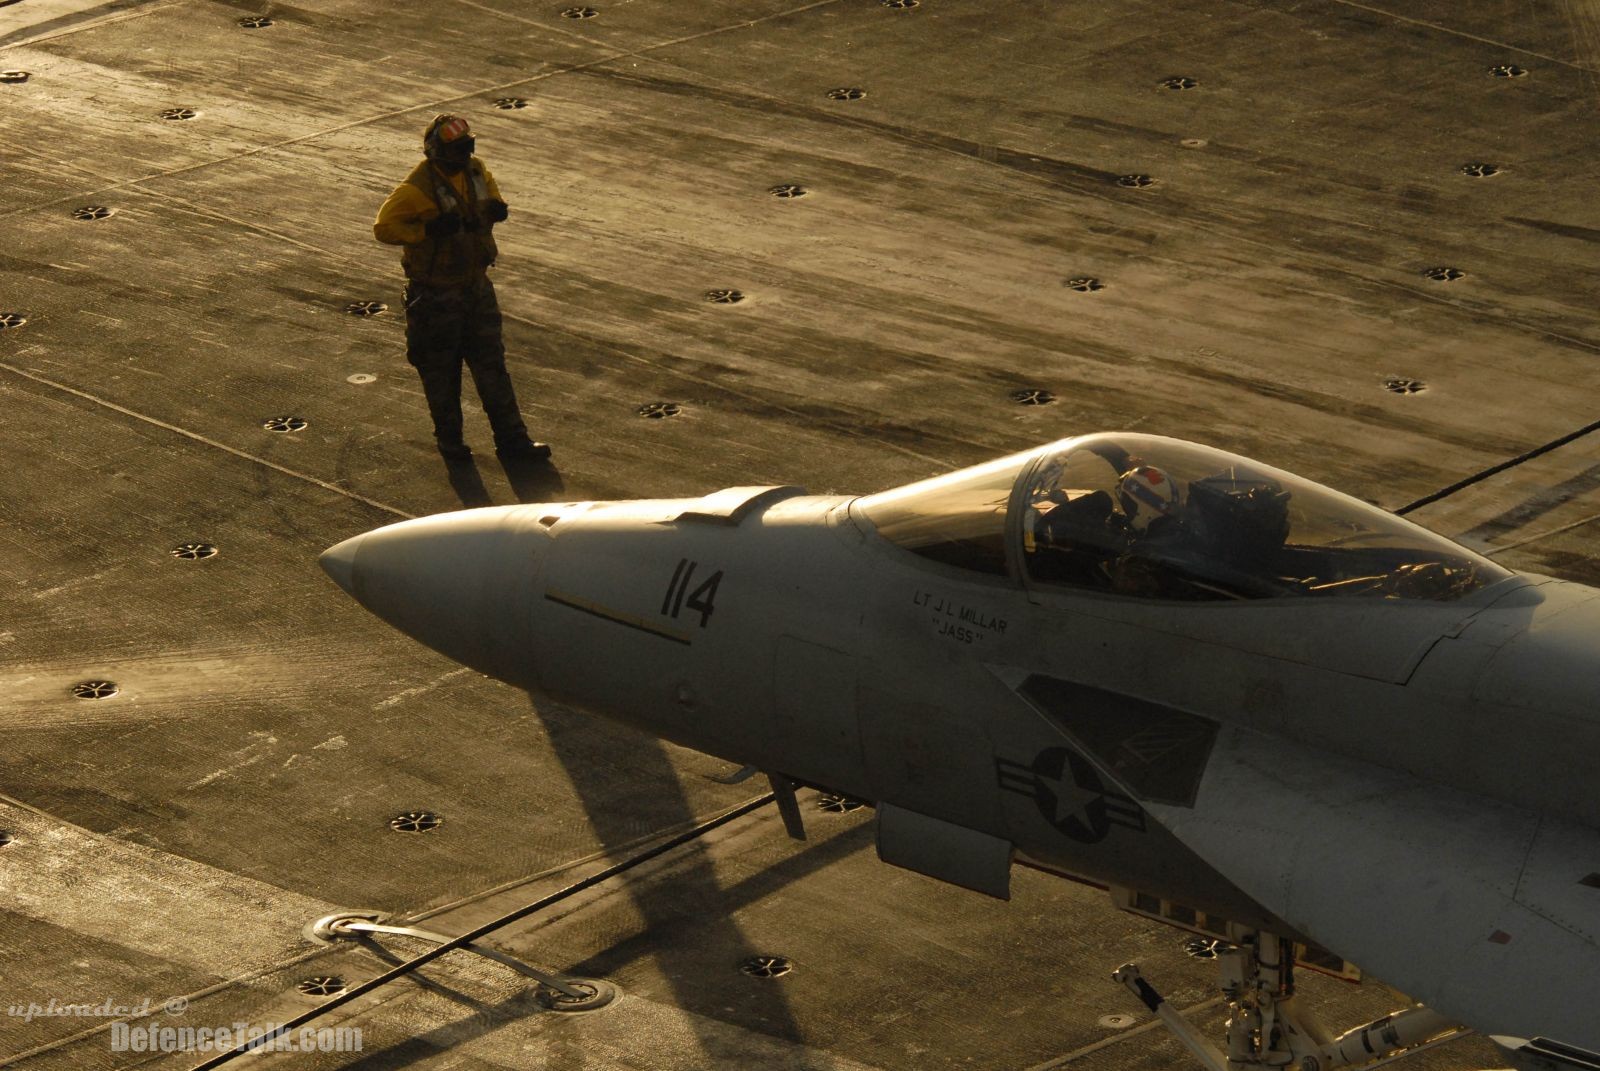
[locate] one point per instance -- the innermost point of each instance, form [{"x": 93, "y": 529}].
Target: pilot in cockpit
[
  {"x": 1154, "y": 518},
  {"x": 1156, "y": 535},
  {"x": 1096, "y": 537},
  {"x": 1159, "y": 529}
]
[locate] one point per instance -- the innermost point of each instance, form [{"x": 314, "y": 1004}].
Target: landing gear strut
[{"x": 1266, "y": 1025}]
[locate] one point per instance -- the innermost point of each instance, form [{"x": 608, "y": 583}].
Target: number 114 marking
[{"x": 701, "y": 598}]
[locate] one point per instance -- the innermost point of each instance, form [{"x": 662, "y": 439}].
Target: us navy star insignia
[{"x": 1070, "y": 794}]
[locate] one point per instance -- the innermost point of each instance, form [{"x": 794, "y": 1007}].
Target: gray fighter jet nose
[
  {"x": 460, "y": 583},
  {"x": 339, "y": 562}
]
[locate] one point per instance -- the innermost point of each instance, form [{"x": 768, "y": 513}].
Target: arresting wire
[
  {"x": 1445, "y": 492},
  {"x": 465, "y": 939}
]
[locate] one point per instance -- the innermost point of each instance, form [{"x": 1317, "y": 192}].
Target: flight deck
[{"x": 844, "y": 245}]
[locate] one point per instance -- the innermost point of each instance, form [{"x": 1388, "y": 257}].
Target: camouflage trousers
[{"x": 447, "y": 327}]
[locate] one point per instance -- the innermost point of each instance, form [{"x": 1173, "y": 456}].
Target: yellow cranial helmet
[{"x": 448, "y": 133}]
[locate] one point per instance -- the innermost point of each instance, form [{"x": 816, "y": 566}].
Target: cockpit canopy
[{"x": 1153, "y": 517}]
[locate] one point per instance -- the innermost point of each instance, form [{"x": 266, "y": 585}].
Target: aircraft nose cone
[
  {"x": 461, "y": 583},
  {"x": 339, "y": 562}
]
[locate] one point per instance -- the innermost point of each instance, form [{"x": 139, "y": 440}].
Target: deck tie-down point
[{"x": 571, "y": 994}]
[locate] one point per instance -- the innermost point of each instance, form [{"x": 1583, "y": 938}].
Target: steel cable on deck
[
  {"x": 456, "y": 943},
  {"x": 1445, "y": 492}
]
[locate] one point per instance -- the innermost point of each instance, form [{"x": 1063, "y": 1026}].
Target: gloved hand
[
  {"x": 447, "y": 224},
  {"x": 497, "y": 211}
]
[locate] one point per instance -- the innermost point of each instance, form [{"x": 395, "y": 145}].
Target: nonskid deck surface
[{"x": 1268, "y": 291}]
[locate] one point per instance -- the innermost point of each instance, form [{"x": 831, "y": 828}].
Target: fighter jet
[{"x": 1244, "y": 703}]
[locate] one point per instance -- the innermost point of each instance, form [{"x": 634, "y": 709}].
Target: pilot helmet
[{"x": 1147, "y": 494}]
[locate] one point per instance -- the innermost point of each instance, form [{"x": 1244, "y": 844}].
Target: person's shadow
[
  {"x": 532, "y": 481},
  {"x": 467, "y": 483}
]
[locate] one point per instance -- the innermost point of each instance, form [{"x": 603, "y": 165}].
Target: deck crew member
[{"x": 443, "y": 217}]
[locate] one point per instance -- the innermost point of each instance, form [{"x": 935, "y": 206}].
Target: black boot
[
  {"x": 454, "y": 450},
  {"x": 526, "y": 450}
]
